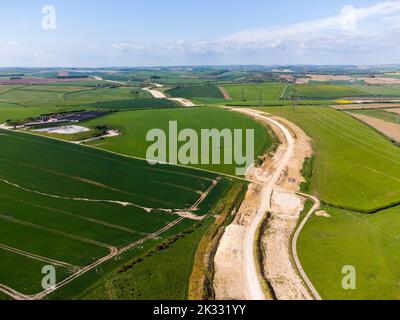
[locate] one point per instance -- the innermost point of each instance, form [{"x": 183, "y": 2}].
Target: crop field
[
  {"x": 22, "y": 102},
  {"x": 368, "y": 242},
  {"x": 83, "y": 209},
  {"x": 134, "y": 104},
  {"x": 134, "y": 127},
  {"x": 253, "y": 92},
  {"x": 322, "y": 91},
  {"x": 189, "y": 92},
  {"x": 64, "y": 96},
  {"x": 380, "y": 114},
  {"x": 380, "y": 91},
  {"x": 349, "y": 156}
]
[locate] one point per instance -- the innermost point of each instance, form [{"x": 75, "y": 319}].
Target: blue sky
[{"x": 191, "y": 32}]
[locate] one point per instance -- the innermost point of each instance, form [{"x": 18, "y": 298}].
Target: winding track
[
  {"x": 254, "y": 289},
  {"x": 317, "y": 205},
  {"x": 253, "y": 283},
  {"x": 157, "y": 94}
]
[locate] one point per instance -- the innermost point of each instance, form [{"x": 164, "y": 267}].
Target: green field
[
  {"x": 350, "y": 156},
  {"x": 379, "y": 91},
  {"x": 321, "y": 91},
  {"x": 73, "y": 209},
  {"x": 380, "y": 114},
  {"x": 370, "y": 243},
  {"x": 155, "y": 277},
  {"x": 256, "y": 92},
  {"x": 25, "y": 101},
  {"x": 189, "y": 92},
  {"x": 135, "y": 126},
  {"x": 134, "y": 104}
]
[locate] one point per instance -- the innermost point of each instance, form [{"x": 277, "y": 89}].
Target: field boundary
[
  {"x": 300, "y": 269},
  {"x": 129, "y": 157}
]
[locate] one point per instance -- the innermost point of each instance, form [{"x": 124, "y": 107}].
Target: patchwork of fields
[
  {"x": 340, "y": 144},
  {"x": 18, "y": 102},
  {"x": 135, "y": 125},
  {"x": 253, "y": 92},
  {"x": 90, "y": 212},
  {"x": 188, "y": 92},
  {"x": 77, "y": 210},
  {"x": 358, "y": 170}
]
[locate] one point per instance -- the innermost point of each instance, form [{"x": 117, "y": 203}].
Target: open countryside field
[
  {"x": 340, "y": 144},
  {"x": 350, "y": 156},
  {"x": 134, "y": 127},
  {"x": 188, "y": 92},
  {"x": 380, "y": 114},
  {"x": 367, "y": 242},
  {"x": 21, "y": 102},
  {"x": 253, "y": 92},
  {"x": 380, "y": 91},
  {"x": 321, "y": 91},
  {"x": 72, "y": 211}
]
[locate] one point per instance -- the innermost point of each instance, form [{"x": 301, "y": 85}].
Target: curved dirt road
[
  {"x": 157, "y": 94},
  {"x": 317, "y": 205},
  {"x": 253, "y": 283}
]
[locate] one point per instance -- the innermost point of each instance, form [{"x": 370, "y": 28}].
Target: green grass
[
  {"x": 134, "y": 104},
  {"x": 207, "y": 91},
  {"x": 43, "y": 209},
  {"x": 252, "y": 92},
  {"x": 370, "y": 243},
  {"x": 161, "y": 275},
  {"x": 379, "y": 91},
  {"x": 322, "y": 91},
  {"x": 16, "y": 270},
  {"x": 276, "y": 103},
  {"x": 105, "y": 95},
  {"x": 135, "y": 126},
  {"x": 307, "y": 173},
  {"x": 355, "y": 167},
  {"x": 380, "y": 114}
]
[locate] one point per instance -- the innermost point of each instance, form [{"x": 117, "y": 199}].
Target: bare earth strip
[
  {"x": 389, "y": 129},
  {"x": 225, "y": 93},
  {"x": 395, "y": 110},
  {"x": 274, "y": 190},
  {"x": 157, "y": 94},
  {"x": 365, "y": 106}
]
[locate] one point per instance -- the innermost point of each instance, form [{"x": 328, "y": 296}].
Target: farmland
[
  {"x": 253, "y": 92},
  {"x": 322, "y": 91},
  {"x": 116, "y": 227},
  {"x": 340, "y": 143},
  {"x": 72, "y": 211},
  {"x": 367, "y": 242},
  {"x": 24, "y": 101},
  {"x": 380, "y": 91},
  {"x": 134, "y": 127},
  {"x": 350, "y": 156},
  {"x": 207, "y": 91},
  {"x": 380, "y": 114}
]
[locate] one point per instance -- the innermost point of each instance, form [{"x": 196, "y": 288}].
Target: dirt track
[
  {"x": 236, "y": 275},
  {"x": 157, "y": 94}
]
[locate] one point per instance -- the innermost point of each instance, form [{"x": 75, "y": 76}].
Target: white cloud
[
  {"x": 345, "y": 21},
  {"x": 369, "y": 35}
]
